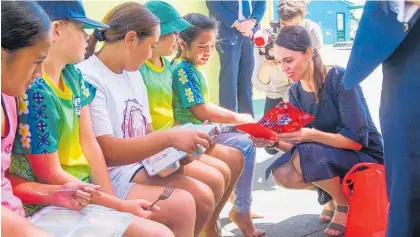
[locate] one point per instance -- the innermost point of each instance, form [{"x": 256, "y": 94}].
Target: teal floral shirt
[{"x": 190, "y": 89}]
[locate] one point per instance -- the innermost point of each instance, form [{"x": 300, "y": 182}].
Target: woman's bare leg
[
  {"x": 287, "y": 176},
  {"x": 333, "y": 188}
]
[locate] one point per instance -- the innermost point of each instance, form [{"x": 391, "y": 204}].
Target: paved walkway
[{"x": 293, "y": 213}]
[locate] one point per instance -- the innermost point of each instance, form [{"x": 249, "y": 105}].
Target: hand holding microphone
[{"x": 261, "y": 39}]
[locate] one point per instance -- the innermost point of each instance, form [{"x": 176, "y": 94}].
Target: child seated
[
  {"x": 26, "y": 39},
  {"x": 191, "y": 105},
  {"x": 122, "y": 122},
  {"x": 56, "y": 142}
]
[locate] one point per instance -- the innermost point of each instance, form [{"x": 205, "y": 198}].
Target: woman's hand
[
  {"x": 138, "y": 207},
  {"x": 301, "y": 136},
  {"x": 75, "y": 195},
  {"x": 261, "y": 142}
]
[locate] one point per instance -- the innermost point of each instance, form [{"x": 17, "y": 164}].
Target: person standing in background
[
  {"x": 389, "y": 33},
  {"x": 237, "y": 20},
  {"x": 268, "y": 75}
]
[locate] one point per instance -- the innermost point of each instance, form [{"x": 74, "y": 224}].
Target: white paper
[{"x": 168, "y": 157}]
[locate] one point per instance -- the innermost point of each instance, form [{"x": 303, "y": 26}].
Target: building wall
[
  {"x": 98, "y": 9},
  {"x": 324, "y": 13}
]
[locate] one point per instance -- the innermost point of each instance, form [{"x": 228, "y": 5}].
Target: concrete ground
[{"x": 294, "y": 213}]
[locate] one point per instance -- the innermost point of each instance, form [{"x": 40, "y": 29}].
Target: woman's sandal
[
  {"x": 326, "y": 213},
  {"x": 338, "y": 227}
]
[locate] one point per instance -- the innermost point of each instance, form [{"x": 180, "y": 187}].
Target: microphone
[{"x": 261, "y": 38}]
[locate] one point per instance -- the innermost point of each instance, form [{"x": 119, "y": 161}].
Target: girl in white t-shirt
[{"x": 122, "y": 122}]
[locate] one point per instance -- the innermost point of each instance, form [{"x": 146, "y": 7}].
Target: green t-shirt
[
  {"x": 49, "y": 121},
  {"x": 190, "y": 88},
  {"x": 158, "y": 81}
]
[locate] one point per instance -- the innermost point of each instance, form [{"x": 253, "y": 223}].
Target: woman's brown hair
[
  {"x": 121, "y": 19},
  {"x": 296, "y": 38}
]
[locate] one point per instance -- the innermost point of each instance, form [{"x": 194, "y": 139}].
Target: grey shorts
[
  {"x": 121, "y": 177},
  {"x": 122, "y": 190}
]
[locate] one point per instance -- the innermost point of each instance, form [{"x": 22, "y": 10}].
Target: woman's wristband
[{"x": 275, "y": 145}]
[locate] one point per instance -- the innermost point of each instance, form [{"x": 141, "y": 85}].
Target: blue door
[{"x": 341, "y": 27}]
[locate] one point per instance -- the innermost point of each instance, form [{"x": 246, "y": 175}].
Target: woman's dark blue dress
[{"x": 339, "y": 111}]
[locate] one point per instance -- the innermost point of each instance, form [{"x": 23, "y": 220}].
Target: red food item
[
  {"x": 283, "y": 118},
  {"x": 257, "y": 130}
]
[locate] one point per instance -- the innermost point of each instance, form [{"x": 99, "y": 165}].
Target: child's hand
[
  {"x": 75, "y": 195},
  {"x": 187, "y": 160},
  {"x": 188, "y": 140},
  {"x": 138, "y": 207}
]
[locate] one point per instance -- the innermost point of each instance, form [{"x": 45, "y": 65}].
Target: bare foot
[
  {"x": 209, "y": 232},
  {"x": 244, "y": 222},
  {"x": 339, "y": 218},
  {"x": 328, "y": 212},
  {"x": 253, "y": 214}
]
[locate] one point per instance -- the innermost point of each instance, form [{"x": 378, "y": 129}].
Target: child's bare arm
[
  {"x": 47, "y": 169},
  {"x": 93, "y": 152}
]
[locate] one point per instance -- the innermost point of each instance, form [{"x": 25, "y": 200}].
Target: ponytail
[
  {"x": 97, "y": 36},
  {"x": 178, "y": 54},
  {"x": 319, "y": 74},
  {"x": 122, "y": 19}
]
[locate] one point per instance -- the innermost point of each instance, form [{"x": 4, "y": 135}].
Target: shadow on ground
[
  {"x": 259, "y": 182},
  {"x": 307, "y": 225}
]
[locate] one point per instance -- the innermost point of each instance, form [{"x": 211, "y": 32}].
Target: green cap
[{"x": 170, "y": 19}]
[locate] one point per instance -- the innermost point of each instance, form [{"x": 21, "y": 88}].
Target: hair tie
[{"x": 99, "y": 34}]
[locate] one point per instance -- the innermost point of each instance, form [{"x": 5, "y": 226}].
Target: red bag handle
[{"x": 347, "y": 180}]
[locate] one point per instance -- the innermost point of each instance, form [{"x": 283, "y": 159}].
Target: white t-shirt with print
[{"x": 120, "y": 107}]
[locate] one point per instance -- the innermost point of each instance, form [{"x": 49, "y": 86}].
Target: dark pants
[
  {"x": 400, "y": 123},
  {"x": 236, "y": 68},
  {"x": 269, "y": 104}
]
